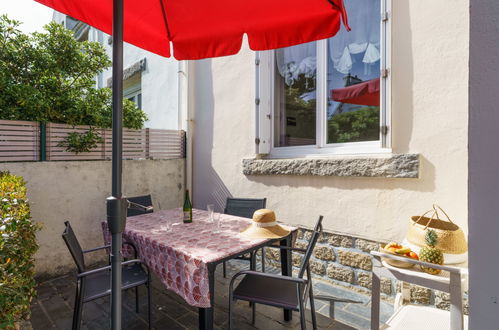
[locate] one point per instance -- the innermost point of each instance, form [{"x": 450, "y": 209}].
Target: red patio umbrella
[
  {"x": 196, "y": 29},
  {"x": 210, "y": 28}
]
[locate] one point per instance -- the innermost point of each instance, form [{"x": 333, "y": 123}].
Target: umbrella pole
[{"x": 117, "y": 204}]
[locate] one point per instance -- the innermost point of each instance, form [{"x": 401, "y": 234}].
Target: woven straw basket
[{"x": 451, "y": 239}]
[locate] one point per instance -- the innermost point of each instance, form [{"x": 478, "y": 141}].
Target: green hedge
[{"x": 17, "y": 248}]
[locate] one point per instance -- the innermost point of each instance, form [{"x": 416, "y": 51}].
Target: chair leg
[
  {"x": 303, "y": 321},
  {"x": 224, "y": 269},
  {"x": 263, "y": 259},
  {"x": 312, "y": 307},
  {"x": 253, "y": 313},
  {"x": 252, "y": 267},
  {"x": 78, "y": 305},
  {"x": 149, "y": 310},
  {"x": 137, "y": 299},
  {"x": 231, "y": 306}
]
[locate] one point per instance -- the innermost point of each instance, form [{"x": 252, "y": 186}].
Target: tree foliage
[{"x": 50, "y": 77}]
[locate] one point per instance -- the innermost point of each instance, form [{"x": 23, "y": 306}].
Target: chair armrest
[
  {"x": 101, "y": 269},
  {"x": 97, "y": 248},
  {"x": 140, "y": 207},
  {"x": 109, "y": 245},
  {"x": 287, "y": 248}
]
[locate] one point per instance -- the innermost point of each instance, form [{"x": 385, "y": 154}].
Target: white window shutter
[{"x": 264, "y": 89}]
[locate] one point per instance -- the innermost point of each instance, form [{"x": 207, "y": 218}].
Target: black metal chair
[
  {"x": 278, "y": 290},
  {"x": 245, "y": 207},
  {"x": 95, "y": 283},
  {"x": 143, "y": 205}
]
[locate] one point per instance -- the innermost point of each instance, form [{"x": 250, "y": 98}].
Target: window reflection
[
  {"x": 295, "y": 97},
  {"x": 353, "y": 76}
]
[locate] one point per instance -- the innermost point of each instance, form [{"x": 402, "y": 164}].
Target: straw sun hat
[{"x": 265, "y": 226}]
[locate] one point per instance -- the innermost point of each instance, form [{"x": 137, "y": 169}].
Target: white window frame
[
  {"x": 133, "y": 92},
  {"x": 265, "y": 105}
]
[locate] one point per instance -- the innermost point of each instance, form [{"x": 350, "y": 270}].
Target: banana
[{"x": 403, "y": 250}]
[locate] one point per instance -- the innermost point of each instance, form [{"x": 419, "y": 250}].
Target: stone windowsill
[{"x": 386, "y": 166}]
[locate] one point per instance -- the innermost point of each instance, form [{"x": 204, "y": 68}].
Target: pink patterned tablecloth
[{"x": 180, "y": 257}]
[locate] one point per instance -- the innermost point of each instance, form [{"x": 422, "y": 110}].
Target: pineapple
[{"x": 430, "y": 253}]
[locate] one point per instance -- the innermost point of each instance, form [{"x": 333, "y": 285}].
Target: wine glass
[
  {"x": 216, "y": 222},
  {"x": 166, "y": 224},
  {"x": 179, "y": 217},
  {"x": 210, "y": 208}
]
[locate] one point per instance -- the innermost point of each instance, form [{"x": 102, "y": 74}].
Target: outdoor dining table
[{"x": 186, "y": 255}]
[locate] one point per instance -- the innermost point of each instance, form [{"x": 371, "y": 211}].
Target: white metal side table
[{"x": 452, "y": 280}]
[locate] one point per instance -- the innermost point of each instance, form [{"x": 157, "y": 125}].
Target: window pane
[
  {"x": 139, "y": 100},
  {"x": 295, "y": 95},
  {"x": 353, "y": 112}
]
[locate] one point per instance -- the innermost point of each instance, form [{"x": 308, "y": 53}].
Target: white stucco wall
[
  {"x": 159, "y": 85},
  {"x": 76, "y": 191},
  {"x": 429, "y": 117}
]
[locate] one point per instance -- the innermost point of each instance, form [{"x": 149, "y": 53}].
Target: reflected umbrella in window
[{"x": 364, "y": 93}]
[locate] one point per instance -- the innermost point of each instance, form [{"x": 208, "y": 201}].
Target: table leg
[
  {"x": 286, "y": 269},
  {"x": 206, "y": 314},
  {"x": 375, "y": 296}
]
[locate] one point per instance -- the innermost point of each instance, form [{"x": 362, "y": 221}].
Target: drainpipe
[{"x": 186, "y": 100}]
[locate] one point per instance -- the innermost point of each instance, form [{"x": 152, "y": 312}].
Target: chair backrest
[
  {"x": 311, "y": 245},
  {"x": 74, "y": 247},
  {"x": 244, "y": 207},
  {"x": 145, "y": 200}
]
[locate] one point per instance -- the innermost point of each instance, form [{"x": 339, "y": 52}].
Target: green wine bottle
[{"x": 187, "y": 208}]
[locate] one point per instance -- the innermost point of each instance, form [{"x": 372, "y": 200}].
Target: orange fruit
[{"x": 413, "y": 255}]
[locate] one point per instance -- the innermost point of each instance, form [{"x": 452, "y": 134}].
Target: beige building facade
[{"x": 427, "y": 48}]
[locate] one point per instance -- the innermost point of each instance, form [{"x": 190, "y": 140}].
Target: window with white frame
[
  {"x": 132, "y": 89},
  {"x": 329, "y": 96}
]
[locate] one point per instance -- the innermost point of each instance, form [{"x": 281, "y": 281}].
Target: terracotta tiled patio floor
[{"x": 53, "y": 307}]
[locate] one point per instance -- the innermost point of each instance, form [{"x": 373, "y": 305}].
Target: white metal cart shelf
[{"x": 452, "y": 280}]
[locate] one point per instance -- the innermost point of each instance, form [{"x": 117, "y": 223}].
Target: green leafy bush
[
  {"x": 81, "y": 142},
  {"x": 17, "y": 248}
]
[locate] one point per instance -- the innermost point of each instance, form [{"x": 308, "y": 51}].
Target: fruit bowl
[{"x": 395, "y": 263}]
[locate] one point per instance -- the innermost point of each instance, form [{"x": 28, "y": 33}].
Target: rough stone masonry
[{"x": 393, "y": 166}]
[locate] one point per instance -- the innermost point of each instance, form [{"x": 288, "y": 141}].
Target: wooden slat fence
[
  {"x": 165, "y": 144},
  {"x": 137, "y": 144},
  {"x": 19, "y": 141}
]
